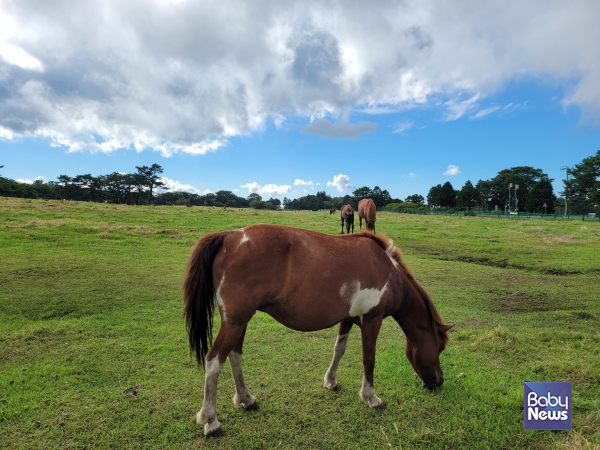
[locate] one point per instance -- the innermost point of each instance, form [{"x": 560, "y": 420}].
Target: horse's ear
[{"x": 444, "y": 328}]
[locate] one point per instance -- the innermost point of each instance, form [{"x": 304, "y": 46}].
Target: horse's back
[{"x": 302, "y": 278}]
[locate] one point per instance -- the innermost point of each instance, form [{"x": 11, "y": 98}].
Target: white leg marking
[
  {"x": 361, "y": 300},
  {"x": 208, "y": 414},
  {"x": 367, "y": 394},
  {"x": 329, "y": 381},
  {"x": 242, "y": 396},
  {"x": 220, "y": 299}
]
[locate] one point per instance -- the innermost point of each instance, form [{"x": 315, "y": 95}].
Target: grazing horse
[
  {"x": 367, "y": 211},
  {"x": 347, "y": 214},
  {"x": 307, "y": 282},
  {"x": 332, "y": 210}
]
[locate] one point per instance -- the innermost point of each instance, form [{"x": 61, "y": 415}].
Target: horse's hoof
[
  {"x": 215, "y": 433},
  {"x": 381, "y": 407},
  {"x": 332, "y": 387},
  {"x": 252, "y": 407}
]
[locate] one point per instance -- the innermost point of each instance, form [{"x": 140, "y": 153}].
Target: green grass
[{"x": 93, "y": 349}]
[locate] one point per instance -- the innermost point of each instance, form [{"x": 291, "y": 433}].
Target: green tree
[
  {"x": 151, "y": 177},
  {"x": 434, "y": 197},
  {"x": 583, "y": 186},
  {"x": 415, "y": 198},
  {"x": 362, "y": 192},
  {"x": 448, "y": 196},
  {"x": 467, "y": 197},
  {"x": 524, "y": 176}
]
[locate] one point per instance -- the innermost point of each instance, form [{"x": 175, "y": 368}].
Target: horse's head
[{"x": 425, "y": 356}]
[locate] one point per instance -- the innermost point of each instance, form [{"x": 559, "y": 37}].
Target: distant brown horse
[
  {"x": 307, "y": 282},
  {"x": 332, "y": 210},
  {"x": 367, "y": 211},
  {"x": 347, "y": 214}
]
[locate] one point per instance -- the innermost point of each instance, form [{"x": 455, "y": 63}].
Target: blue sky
[{"x": 283, "y": 100}]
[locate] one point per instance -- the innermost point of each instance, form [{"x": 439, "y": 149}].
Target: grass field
[{"x": 93, "y": 348}]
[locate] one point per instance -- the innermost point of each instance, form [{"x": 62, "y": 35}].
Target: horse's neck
[{"x": 412, "y": 314}]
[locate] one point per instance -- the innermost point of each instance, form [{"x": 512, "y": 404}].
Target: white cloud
[
  {"x": 27, "y": 181},
  {"x": 183, "y": 76},
  {"x": 452, "y": 170},
  {"x": 207, "y": 191},
  {"x": 272, "y": 190},
  {"x": 341, "y": 182},
  {"x": 173, "y": 185},
  {"x": 455, "y": 109},
  {"x": 485, "y": 112},
  {"x": 403, "y": 126},
  {"x": 412, "y": 175},
  {"x": 299, "y": 182}
]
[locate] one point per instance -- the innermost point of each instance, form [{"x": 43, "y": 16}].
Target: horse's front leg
[
  {"x": 329, "y": 381},
  {"x": 370, "y": 331},
  {"x": 228, "y": 337},
  {"x": 242, "y": 396}
]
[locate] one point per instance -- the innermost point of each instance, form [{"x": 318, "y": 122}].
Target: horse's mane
[{"x": 387, "y": 244}]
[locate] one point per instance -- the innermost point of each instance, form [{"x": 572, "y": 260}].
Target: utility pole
[
  {"x": 516, "y": 199},
  {"x": 509, "y": 188},
  {"x": 566, "y": 169}
]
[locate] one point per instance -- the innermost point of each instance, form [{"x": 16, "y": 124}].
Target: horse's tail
[{"x": 199, "y": 294}]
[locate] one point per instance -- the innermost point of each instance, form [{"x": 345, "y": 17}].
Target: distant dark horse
[
  {"x": 367, "y": 211},
  {"x": 305, "y": 281},
  {"x": 332, "y": 210},
  {"x": 347, "y": 214}
]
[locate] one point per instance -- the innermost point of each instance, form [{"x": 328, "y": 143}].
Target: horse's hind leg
[
  {"x": 242, "y": 396},
  {"x": 369, "y": 332},
  {"x": 329, "y": 381},
  {"x": 228, "y": 337}
]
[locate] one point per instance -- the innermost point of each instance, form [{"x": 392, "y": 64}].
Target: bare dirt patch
[
  {"x": 482, "y": 261},
  {"x": 524, "y": 302}
]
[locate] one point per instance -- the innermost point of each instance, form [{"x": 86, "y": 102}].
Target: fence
[{"x": 494, "y": 214}]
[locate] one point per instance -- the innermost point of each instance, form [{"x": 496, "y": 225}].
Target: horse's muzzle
[{"x": 432, "y": 386}]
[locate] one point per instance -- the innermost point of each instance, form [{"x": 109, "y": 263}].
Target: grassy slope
[{"x": 90, "y": 312}]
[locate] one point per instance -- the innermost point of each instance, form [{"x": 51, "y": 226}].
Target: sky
[{"x": 290, "y": 98}]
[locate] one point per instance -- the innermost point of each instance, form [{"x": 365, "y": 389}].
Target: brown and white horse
[
  {"x": 367, "y": 211},
  {"x": 306, "y": 281}
]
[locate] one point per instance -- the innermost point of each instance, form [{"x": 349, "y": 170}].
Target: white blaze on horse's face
[{"x": 361, "y": 300}]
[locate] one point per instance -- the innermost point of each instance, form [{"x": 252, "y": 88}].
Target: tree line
[
  {"x": 581, "y": 191},
  {"x": 525, "y": 188},
  {"x": 131, "y": 188},
  {"x": 521, "y": 188}
]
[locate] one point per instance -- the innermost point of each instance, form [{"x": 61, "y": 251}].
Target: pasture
[{"x": 94, "y": 353}]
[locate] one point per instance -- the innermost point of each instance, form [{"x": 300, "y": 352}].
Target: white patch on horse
[
  {"x": 208, "y": 414},
  {"x": 361, "y": 300},
  {"x": 220, "y": 299},
  {"x": 242, "y": 396},
  {"x": 367, "y": 394},
  {"x": 329, "y": 381},
  {"x": 390, "y": 252}
]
